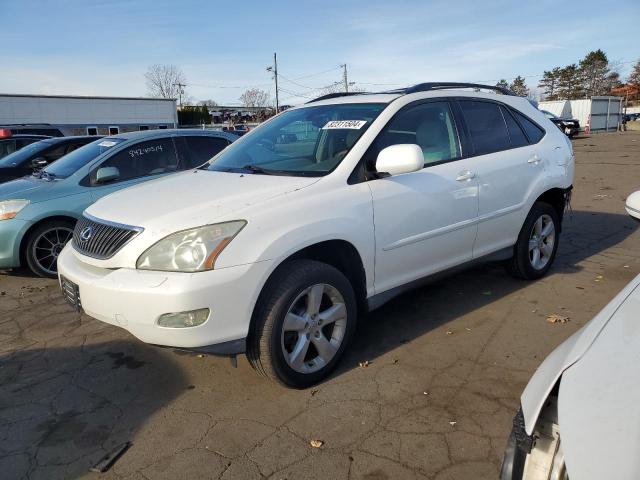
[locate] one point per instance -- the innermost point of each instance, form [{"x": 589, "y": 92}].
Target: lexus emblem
[{"x": 86, "y": 234}]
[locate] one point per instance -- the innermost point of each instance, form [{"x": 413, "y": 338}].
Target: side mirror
[
  {"x": 38, "y": 162},
  {"x": 399, "y": 159},
  {"x": 107, "y": 174}
]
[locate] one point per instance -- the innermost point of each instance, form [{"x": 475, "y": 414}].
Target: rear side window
[
  {"x": 145, "y": 158},
  {"x": 533, "y": 131},
  {"x": 486, "y": 126},
  {"x": 201, "y": 149},
  {"x": 518, "y": 138}
]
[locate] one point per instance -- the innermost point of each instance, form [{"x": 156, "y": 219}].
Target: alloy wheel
[
  {"x": 314, "y": 328},
  {"x": 541, "y": 242},
  {"x": 47, "y": 247}
]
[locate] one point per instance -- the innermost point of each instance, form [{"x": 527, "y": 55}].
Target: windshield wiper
[
  {"x": 47, "y": 175},
  {"x": 257, "y": 169}
]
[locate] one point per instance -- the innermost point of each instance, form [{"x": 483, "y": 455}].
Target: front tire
[
  {"x": 304, "y": 320},
  {"x": 44, "y": 244},
  {"x": 535, "y": 250}
]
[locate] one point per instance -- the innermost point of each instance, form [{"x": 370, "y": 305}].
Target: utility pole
[
  {"x": 274, "y": 69},
  {"x": 180, "y": 91},
  {"x": 344, "y": 77}
]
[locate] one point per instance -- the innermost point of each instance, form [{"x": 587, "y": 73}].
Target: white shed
[
  {"x": 600, "y": 114},
  {"x": 76, "y": 115}
]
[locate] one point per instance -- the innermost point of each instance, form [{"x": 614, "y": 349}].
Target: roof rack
[
  {"x": 425, "y": 87},
  {"x": 335, "y": 95},
  {"x": 421, "y": 87}
]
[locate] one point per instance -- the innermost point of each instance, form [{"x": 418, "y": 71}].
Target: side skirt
[{"x": 379, "y": 299}]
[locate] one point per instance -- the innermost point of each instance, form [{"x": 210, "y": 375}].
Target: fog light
[{"x": 184, "y": 319}]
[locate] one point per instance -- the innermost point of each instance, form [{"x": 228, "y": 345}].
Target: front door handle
[
  {"x": 535, "y": 159},
  {"x": 464, "y": 176}
]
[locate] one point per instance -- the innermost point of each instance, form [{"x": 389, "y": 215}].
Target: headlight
[
  {"x": 191, "y": 250},
  {"x": 11, "y": 208}
]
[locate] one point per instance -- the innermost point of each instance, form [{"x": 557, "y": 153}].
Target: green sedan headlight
[
  {"x": 192, "y": 250},
  {"x": 11, "y": 208}
]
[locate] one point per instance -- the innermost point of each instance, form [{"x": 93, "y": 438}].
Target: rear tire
[
  {"x": 535, "y": 250},
  {"x": 44, "y": 244},
  {"x": 303, "y": 322}
]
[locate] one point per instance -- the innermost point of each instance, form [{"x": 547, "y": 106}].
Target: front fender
[{"x": 549, "y": 372}]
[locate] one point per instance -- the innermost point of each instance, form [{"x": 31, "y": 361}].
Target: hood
[
  {"x": 11, "y": 173},
  {"x": 598, "y": 402},
  {"x": 193, "y": 198},
  {"x": 25, "y": 187}
]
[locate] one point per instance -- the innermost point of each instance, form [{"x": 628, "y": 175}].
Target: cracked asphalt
[{"x": 447, "y": 364}]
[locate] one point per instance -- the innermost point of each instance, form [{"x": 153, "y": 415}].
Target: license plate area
[{"x": 71, "y": 293}]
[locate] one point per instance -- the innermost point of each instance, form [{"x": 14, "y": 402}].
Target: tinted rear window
[
  {"x": 518, "y": 138},
  {"x": 486, "y": 126},
  {"x": 533, "y": 131}
]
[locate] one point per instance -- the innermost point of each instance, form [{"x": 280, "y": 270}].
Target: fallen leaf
[
  {"x": 452, "y": 423},
  {"x": 364, "y": 364},
  {"x": 395, "y": 361},
  {"x": 201, "y": 355},
  {"x": 555, "y": 318},
  {"x": 449, "y": 332},
  {"x": 426, "y": 393},
  {"x": 313, "y": 392},
  {"x": 316, "y": 443}
]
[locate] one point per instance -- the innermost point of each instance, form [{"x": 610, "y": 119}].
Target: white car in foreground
[
  {"x": 580, "y": 414},
  {"x": 326, "y": 210},
  {"x": 633, "y": 205}
]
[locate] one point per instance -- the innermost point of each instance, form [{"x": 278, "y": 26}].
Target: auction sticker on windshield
[
  {"x": 107, "y": 143},
  {"x": 351, "y": 124}
]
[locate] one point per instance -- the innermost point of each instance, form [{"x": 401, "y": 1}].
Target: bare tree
[
  {"x": 162, "y": 81},
  {"x": 254, "y": 97},
  {"x": 338, "y": 87}
]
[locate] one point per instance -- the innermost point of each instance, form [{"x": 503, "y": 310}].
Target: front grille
[{"x": 101, "y": 239}]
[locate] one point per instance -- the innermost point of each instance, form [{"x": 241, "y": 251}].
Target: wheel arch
[
  {"x": 557, "y": 198},
  {"x": 340, "y": 254},
  {"x": 38, "y": 223}
]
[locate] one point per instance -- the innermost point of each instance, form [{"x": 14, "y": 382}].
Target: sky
[{"x": 99, "y": 47}]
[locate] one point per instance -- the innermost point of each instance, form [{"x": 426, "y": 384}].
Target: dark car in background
[
  {"x": 238, "y": 130},
  {"x": 11, "y": 143},
  {"x": 37, "y": 155},
  {"x": 570, "y": 126}
]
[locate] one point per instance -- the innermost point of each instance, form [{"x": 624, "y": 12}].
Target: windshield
[
  {"x": 70, "y": 163},
  {"x": 309, "y": 141},
  {"x": 16, "y": 158}
]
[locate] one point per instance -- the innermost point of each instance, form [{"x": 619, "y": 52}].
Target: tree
[
  {"x": 634, "y": 77},
  {"x": 570, "y": 83},
  {"x": 162, "y": 81},
  {"x": 519, "y": 87},
  {"x": 596, "y": 74},
  {"x": 503, "y": 83},
  {"x": 338, "y": 87},
  {"x": 255, "y": 98},
  {"x": 549, "y": 83}
]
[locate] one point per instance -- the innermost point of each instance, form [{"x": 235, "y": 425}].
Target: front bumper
[
  {"x": 11, "y": 233},
  {"x": 135, "y": 299}
]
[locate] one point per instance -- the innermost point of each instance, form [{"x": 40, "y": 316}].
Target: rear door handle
[
  {"x": 535, "y": 159},
  {"x": 464, "y": 176}
]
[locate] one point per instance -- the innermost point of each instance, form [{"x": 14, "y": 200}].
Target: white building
[
  {"x": 76, "y": 115},
  {"x": 601, "y": 114}
]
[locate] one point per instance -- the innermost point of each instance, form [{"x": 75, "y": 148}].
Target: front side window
[
  {"x": 429, "y": 125},
  {"x": 309, "y": 141},
  {"x": 201, "y": 149},
  {"x": 21, "y": 157},
  {"x": 142, "y": 159},
  {"x": 486, "y": 126}
]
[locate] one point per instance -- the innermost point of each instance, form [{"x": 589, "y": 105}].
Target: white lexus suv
[{"x": 327, "y": 210}]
